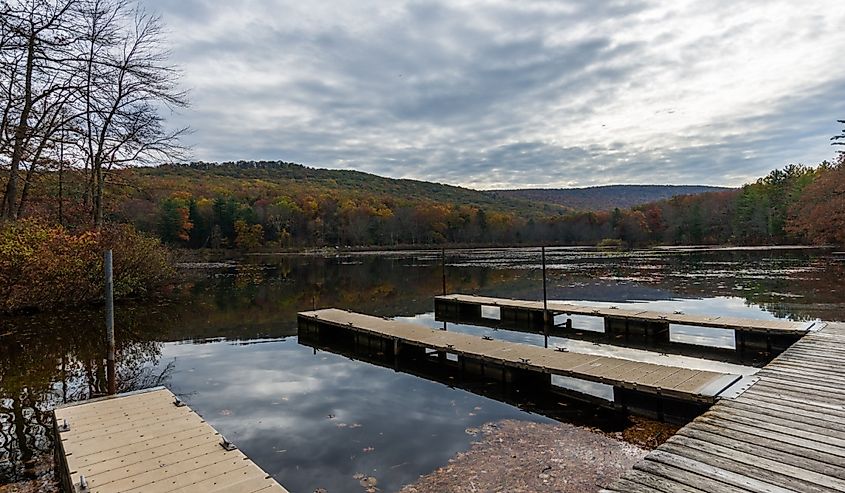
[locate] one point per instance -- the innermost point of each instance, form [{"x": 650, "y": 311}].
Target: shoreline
[{"x": 530, "y": 457}]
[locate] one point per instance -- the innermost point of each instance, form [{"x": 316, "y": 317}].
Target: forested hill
[
  {"x": 293, "y": 178},
  {"x": 251, "y": 205},
  {"x": 603, "y": 198}
]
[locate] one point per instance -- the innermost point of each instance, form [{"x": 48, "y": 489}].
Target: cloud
[{"x": 511, "y": 94}]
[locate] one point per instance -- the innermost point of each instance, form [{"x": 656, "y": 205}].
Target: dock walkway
[
  {"x": 148, "y": 442},
  {"x": 786, "y": 433},
  {"x": 557, "y": 308},
  {"x": 636, "y": 376}
]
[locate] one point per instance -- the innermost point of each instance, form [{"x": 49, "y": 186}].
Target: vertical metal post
[
  {"x": 443, "y": 268},
  {"x": 443, "y": 271},
  {"x": 545, "y": 298},
  {"x": 112, "y": 381}
]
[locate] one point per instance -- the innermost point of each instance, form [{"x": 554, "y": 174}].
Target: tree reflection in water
[{"x": 42, "y": 367}]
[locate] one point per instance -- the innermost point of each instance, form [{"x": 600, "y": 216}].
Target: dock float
[
  {"x": 636, "y": 385},
  {"x": 784, "y": 434},
  {"x": 770, "y": 334},
  {"x": 149, "y": 441}
]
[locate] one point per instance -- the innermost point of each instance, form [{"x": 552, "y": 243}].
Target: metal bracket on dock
[
  {"x": 65, "y": 426},
  {"x": 178, "y": 402},
  {"x": 816, "y": 326},
  {"x": 738, "y": 387},
  {"x": 226, "y": 444}
]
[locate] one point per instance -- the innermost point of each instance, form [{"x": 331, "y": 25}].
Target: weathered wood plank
[
  {"x": 766, "y": 433},
  {"x": 790, "y": 414},
  {"x": 810, "y": 410},
  {"x": 785, "y": 433},
  {"x": 768, "y": 420},
  {"x": 822, "y": 399},
  {"x": 726, "y": 476},
  {"x": 753, "y": 465},
  {"x": 783, "y": 452},
  {"x": 684, "y": 476}
]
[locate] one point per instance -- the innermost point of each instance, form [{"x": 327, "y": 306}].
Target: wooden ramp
[
  {"x": 148, "y": 442},
  {"x": 640, "y": 377},
  {"x": 636, "y": 315},
  {"x": 784, "y": 434}
]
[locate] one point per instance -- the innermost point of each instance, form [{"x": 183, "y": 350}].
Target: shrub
[{"x": 44, "y": 266}]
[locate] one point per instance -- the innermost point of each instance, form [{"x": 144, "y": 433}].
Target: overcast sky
[{"x": 514, "y": 94}]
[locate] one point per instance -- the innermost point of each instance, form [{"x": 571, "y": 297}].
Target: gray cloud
[{"x": 514, "y": 94}]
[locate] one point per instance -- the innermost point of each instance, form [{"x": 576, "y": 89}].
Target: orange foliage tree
[{"x": 820, "y": 215}]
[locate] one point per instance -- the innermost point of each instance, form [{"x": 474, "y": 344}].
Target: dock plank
[
  {"x": 144, "y": 442},
  {"x": 785, "y": 433}
]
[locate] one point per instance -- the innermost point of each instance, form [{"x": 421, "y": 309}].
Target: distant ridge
[
  {"x": 605, "y": 197},
  {"x": 280, "y": 178}
]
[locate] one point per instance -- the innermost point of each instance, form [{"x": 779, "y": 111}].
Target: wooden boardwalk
[
  {"x": 636, "y": 376},
  {"x": 784, "y": 434},
  {"x": 648, "y": 316},
  {"x": 145, "y": 442}
]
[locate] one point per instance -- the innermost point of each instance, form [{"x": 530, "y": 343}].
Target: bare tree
[
  {"x": 37, "y": 78},
  {"x": 92, "y": 74},
  {"x": 128, "y": 80}
]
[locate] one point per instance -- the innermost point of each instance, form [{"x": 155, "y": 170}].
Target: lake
[{"x": 226, "y": 341}]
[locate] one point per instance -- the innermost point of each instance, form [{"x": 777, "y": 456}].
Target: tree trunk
[
  {"x": 25, "y": 190},
  {"x": 98, "y": 198},
  {"x": 61, "y": 181},
  {"x": 11, "y": 196}
]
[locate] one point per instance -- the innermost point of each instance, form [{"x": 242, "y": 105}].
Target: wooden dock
[
  {"x": 148, "y": 442},
  {"x": 716, "y": 322},
  {"x": 626, "y": 376},
  {"x": 784, "y": 434},
  {"x": 772, "y": 335}
]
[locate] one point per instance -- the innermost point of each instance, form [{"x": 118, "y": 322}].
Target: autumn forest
[{"x": 272, "y": 205}]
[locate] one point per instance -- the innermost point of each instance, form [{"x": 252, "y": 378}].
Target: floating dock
[
  {"x": 638, "y": 386},
  {"x": 784, "y": 434},
  {"x": 149, "y": 442},
  {"x": 774, "y": 335}
]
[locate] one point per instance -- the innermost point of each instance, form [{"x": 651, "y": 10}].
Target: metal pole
[
  {"x": 110, "y": 323},
  {"x": 545, "y": 298},
  {"x": 443, "y": 268}
]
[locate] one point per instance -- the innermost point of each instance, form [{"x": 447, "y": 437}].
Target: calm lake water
[{"x": 226, "y": 342}]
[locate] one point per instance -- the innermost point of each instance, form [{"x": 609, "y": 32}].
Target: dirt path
[{"x": 520, "y": 456}]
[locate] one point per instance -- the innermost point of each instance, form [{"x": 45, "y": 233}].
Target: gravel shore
[{"x": 520, "y": 456}]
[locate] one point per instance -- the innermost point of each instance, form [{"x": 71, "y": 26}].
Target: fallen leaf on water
[
  {"x": 369, "y": 481},
  {"x": 225, "y": 412}
]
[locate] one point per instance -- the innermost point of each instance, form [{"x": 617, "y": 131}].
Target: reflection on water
[{"x": 226, "y": 341}]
